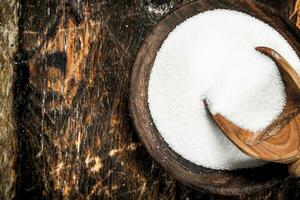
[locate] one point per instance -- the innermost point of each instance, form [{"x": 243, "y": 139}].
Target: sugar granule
[{"x": 212, "y": 55}]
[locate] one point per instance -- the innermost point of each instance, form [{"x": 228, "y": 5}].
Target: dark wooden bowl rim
[{"x": 235, "y": 182}]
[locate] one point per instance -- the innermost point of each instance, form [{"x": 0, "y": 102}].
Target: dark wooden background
[{"x": 65, "y": 126}]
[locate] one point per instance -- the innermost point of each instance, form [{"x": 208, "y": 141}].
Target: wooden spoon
[{"x": 280, "y": 141}]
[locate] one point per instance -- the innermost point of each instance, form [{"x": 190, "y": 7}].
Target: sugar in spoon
[{"x": 280, "y": 141}]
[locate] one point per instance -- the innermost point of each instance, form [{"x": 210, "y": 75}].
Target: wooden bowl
[{"x": 235, "y": 182}]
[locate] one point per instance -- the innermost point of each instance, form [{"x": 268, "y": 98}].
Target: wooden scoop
[{"x": 280, "y": 141}]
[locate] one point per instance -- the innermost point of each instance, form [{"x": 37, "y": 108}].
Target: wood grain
[
  {"x": 79, "y": 143},
  {"x": 75, "y": 136},
  {"x": 8, "y": 48},
  {"x": 296, "y": 14}
]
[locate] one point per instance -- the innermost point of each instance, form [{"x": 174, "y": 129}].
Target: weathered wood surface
[
  {"x": 75, "y": 137},
  {"x": 8, "y": 47}
]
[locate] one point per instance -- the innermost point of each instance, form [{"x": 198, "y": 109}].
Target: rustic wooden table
[{"x": 65, "y": 128}]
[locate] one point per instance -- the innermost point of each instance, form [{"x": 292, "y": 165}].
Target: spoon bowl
[{"x": 280, "y": 141}]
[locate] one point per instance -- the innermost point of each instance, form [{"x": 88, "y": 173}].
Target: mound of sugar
[{"x": 212, "y": 55}]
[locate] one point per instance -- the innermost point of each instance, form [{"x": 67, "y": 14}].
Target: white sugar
[{"x": 213, "y": 55}]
